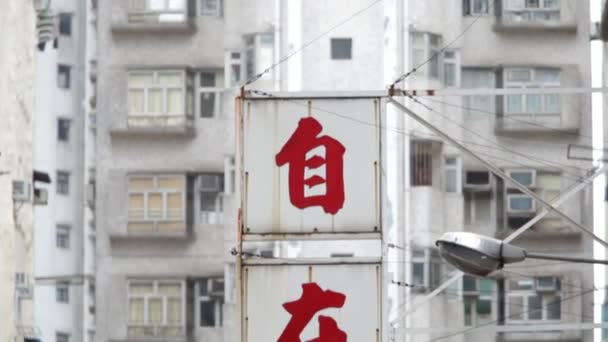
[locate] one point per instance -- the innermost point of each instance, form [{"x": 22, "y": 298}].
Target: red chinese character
[
  {"x": 303, "y": 140},
  {"x": 302, "y": 310}
]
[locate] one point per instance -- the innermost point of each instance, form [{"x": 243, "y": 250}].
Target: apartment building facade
[
  {"x": 166, "y": 213},
  {"x": 65, "y": 237},
  {"x": 508, "y": 44},
  {"x": 168, "y": 72},
  {"x": 18, "y": 22}
]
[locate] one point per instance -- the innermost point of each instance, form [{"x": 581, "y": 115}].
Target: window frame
[
  {"x": 218, "y": 302},
  {"x": 146, "y": 13},
  {"x": 457, "y": 168},
  {"x": 62, "y": 292},
  {"x": 219, "y": 200},
  {"x": 470, "y": 10},
  {"x": 526, "y": 295},
  {"x": 230, "y": 61},
  {"x": 67, "y": 129},
  {"x": 164, "y": 300},
  {"x": 66, "y": 70},
  {"x": 532, "y": 83},
  {"x": 422, "y": 166},
  {"x": 63, "y": 188},
  {"x": 474, "y": 296},
  {"x": 424, "y": 67},
  {"x": 455, "y": 62},
  {"x": 509, "y": 12},
  {"x": 334, "y": 55},
  {"x": 185, "y": 88},
  {"x": 217, "y": 92},
  {"x": 166, "y": 217},
  {"x": 62, "y": 22},
  {"x": 63, "y": 236}
]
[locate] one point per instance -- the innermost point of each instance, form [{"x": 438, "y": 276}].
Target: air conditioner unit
[
  {"x": 477, "y": 180},
  {"x": 41, "y": 196},
  {"x": 520, "y": 205},
  {"x": 546, "y": 284},
  {"x": 211, "y": 183},
  {"x": 21, "y": 191},
  {"x": 525, "y": 177}
]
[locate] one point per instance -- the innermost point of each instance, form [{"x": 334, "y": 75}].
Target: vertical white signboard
[
  {"x": 309, "y": 169},
  {"x": 291, "y": 303}
]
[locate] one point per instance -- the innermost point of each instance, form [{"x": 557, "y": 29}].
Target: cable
[
  {"x": 541, "y": 161},
  {"x": 445, "y": 47},
  {"x": 289, "y": 55},
  {"x": 510, "y": 316},
  {"x": 346, "y": 117},
  {"x": 507, "y": 117}
]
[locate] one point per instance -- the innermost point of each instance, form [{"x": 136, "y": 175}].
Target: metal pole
[
  {"x": 568, "y": 259},
  {"x": 497, "y": 171}
]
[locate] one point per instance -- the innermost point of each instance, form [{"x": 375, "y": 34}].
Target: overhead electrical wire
[
  {"x": 463, "y": 331},
  {"x": 445, "y": 47},
  {"x": 304, "y": 46}
]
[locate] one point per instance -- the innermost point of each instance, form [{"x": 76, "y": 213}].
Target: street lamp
[{"x": 481, "y": 255}]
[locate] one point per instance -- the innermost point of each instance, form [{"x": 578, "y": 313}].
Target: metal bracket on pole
[{"x": 497, "y": 171}]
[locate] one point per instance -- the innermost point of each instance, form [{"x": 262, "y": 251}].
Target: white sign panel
[
  {"x": 312, "y": 303},
  {"x": 312, "y": 170}
]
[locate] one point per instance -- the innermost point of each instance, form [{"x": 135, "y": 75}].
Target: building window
[
  {"x": 157, "y": 203},
  {"x": 65, "y": 24},
  {"x": 259, "y": 55},
  {"x": 533, "y": 299},
  {"x": 421, "y": 163},
  {"x": 158, "y": 97},
  {"x": 210, "y": 302},
  {"x": 451, "y": 68},
  {"x": 478, "y": 104},
  {"x": 62, "y": 292},
  {"x": 211, "y": 198},
  {"x": 425, "y": 47},
  {"x": 532, "y": 104},
  {"x": 452, "y": 175},
  {"x": 62, "y": 337},
  {"x": 63, "y": 182},
  {"x": 478, "y": 208},
  {"x": 212, "y": 8},
  {"x": 478, "y": 296},
  {"x": 63, "y": 76},
  {"x": 156, "y": 308},
  {"x": 62, "y": 237},
  {"x": 426, "y": 270},
  {"x": 209, "y": 95},
  {"x": 476, "y": 7},
  {"x": 234, "y": 68},
  {"x": 341, "y": 48},
  {"x": 531, "y": 10},
  {"x": 63, "y": 130},
  {"x": 161, "y": 11}
]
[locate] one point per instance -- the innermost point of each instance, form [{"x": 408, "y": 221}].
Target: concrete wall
[{"x": 17, "y": 64}]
